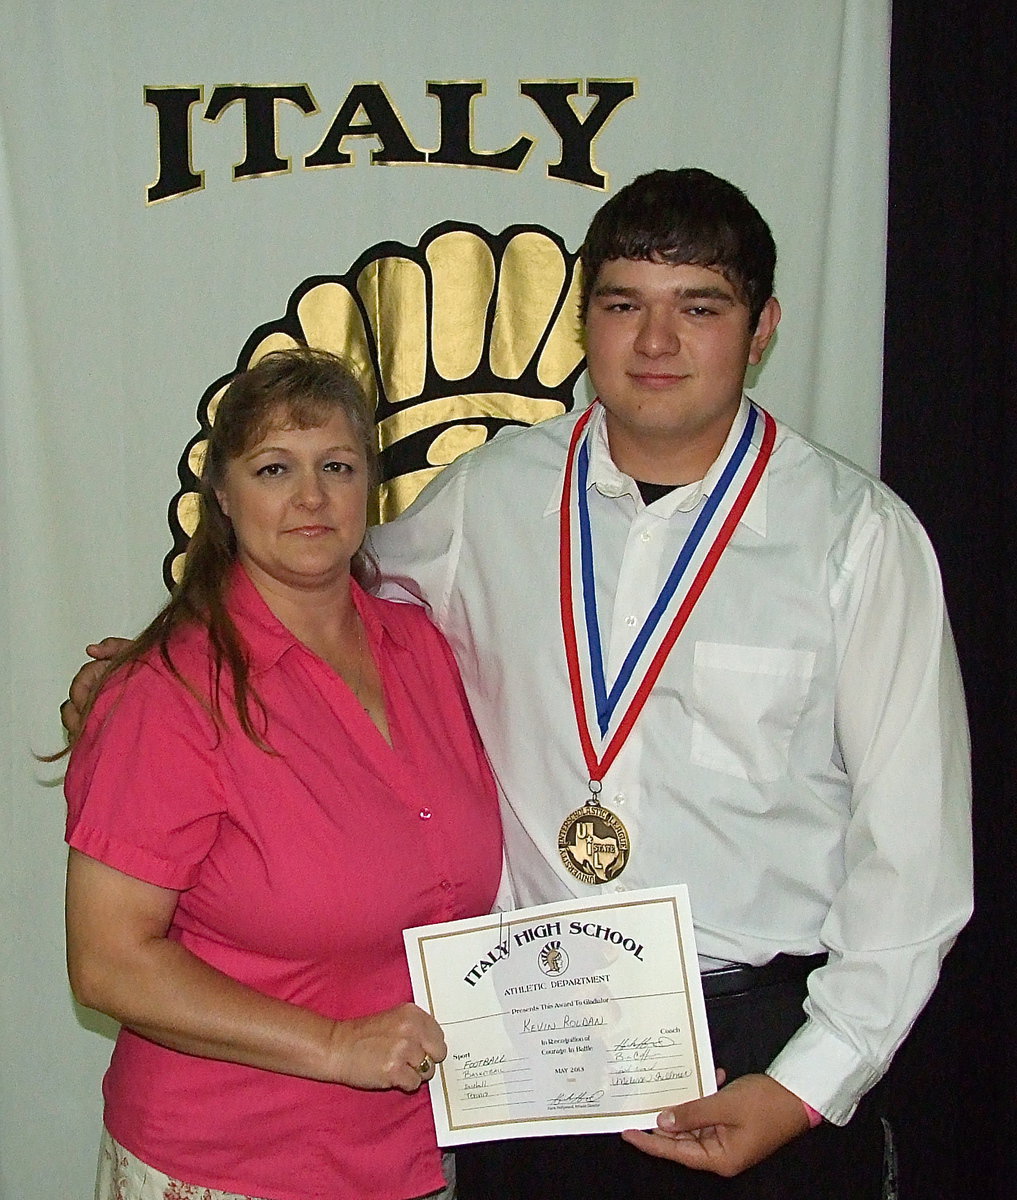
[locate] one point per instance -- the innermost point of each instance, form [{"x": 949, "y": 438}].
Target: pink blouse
[{"x": 297, "y": 873}]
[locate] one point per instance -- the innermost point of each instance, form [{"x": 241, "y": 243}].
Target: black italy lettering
[
  {"x": 577, "y": 133},
  {"x": 173, "y": 113},
  {"x": 382, "y": 122},
  {"x": 455, "y": 102},
  {"x": 260, "y": 130}
]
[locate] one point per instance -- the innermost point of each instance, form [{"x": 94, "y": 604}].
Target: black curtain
[{"x": 949, "y": 440}]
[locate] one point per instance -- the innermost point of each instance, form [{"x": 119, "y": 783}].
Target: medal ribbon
[{"x": 606, "y": 703}]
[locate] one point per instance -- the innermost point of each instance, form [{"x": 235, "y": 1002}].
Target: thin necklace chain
[{"x": 360, "y": 660}]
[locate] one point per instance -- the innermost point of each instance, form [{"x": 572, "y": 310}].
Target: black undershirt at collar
[{"x": 654, "y": 491}]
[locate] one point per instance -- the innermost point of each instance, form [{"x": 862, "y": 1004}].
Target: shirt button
[
  {"x": 645, "y": 535},
  {"x": 619, "y": 798},
  {"x": 619, "y": 887},
  {"x": 630, "y": 621},
  {"x": 446, "y": 886},
  {"x": 425, "y": 814}
]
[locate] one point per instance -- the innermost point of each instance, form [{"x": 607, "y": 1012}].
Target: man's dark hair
[{"x": 684, "y": 216}]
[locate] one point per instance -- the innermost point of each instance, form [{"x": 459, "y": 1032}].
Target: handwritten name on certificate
[{"x": 580, "y": 1017}]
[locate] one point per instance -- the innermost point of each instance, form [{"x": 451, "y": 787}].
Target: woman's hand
[{"x": 393, "y": 1049}]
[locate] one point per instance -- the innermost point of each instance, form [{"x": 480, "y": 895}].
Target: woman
[{"x": 278, "y": 776}]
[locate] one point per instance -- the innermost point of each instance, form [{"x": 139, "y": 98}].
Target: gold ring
[{"x": 426, "y": 1064}]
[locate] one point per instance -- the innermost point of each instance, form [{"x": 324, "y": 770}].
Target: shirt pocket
[{"x": 746, "y": 703}]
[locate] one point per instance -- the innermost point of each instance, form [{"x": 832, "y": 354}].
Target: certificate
[{"x": 580, "y": 1017}]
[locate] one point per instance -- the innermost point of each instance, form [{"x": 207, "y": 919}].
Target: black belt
[{"x": 785, "y": 968}]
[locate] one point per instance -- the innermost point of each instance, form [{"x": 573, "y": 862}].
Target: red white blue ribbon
[{"x": 616, "y": 709}]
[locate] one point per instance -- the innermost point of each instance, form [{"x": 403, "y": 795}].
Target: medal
[{"x": 592, "y": 842}]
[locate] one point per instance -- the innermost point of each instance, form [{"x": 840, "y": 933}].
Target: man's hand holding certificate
[{"x": 580, "y": 1017}]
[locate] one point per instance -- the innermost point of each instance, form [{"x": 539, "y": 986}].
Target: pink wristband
[{"x": 815, "y": 1118}]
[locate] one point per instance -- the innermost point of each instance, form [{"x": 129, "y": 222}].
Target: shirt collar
[
  {"x": 267, "y": 639},
  {"x": 610, "y": 481}
]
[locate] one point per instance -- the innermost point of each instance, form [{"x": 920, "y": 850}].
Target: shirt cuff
[
  {"x": 824, "y": 1072},
  {"x": 135, "y": 861}
]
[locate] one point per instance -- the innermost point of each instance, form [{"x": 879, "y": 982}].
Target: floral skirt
[{"x": 121, "y": 1176}]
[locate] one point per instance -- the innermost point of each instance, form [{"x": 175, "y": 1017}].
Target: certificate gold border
[{"x": 504, "y": 923}]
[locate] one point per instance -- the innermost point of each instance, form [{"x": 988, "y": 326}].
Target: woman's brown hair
[{"x": 300, "y": 388}]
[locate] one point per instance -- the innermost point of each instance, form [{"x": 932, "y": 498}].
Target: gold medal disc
[{"x": 593, "y": 844}]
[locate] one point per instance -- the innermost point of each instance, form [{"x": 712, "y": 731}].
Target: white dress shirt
[{"x": 801, "y": 763}]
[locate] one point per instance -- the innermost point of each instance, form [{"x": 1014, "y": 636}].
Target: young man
[
  {"x": 797, "y": 753},
  {"x": 801, "y": 758}
]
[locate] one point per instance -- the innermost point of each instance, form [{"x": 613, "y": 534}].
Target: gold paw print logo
[{"x": 454, "y": 338}]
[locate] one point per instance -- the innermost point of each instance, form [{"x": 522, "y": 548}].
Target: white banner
[{"x": 180, "y": 181}]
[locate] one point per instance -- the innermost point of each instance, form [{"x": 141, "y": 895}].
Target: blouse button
[{"x": 425, "y": 814}]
